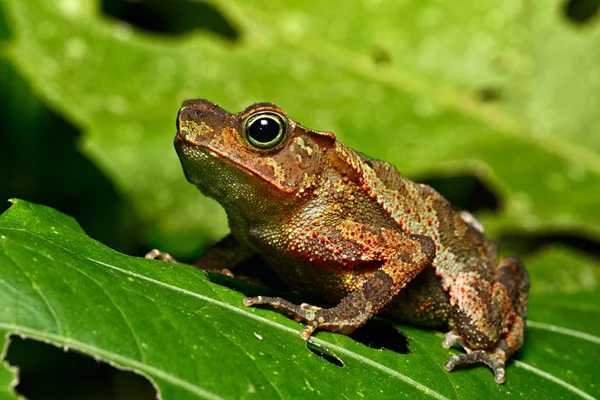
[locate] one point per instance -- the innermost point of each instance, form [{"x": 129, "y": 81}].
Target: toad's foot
[
  {"x": 312, "y": 315},
  {"x": 494, "y": 358},
  {"x": 162, "y": 256}
]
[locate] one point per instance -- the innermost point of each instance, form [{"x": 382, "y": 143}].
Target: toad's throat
[{"x": 212, "y": 156}]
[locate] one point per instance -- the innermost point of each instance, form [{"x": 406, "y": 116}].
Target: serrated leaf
[
  {"x": 194, "y": 339},
  {"x": 400, "y": 81}
]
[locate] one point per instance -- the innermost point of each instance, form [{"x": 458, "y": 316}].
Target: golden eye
[{"x": 265, "y": 130}]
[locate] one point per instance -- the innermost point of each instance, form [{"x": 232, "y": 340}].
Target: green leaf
[
  {"x": 401, "y": 81},
  {"x": 194, "y": 339},
  {"x": 506, "y": 92}
]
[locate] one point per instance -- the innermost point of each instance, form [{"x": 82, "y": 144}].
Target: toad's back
[{"x": 419, "y": 209}]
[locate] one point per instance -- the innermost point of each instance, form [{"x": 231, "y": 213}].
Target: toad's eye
[{"x": 265, "y": 130}]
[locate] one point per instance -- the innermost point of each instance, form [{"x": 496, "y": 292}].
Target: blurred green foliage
[{"x": 494, "y": 105}]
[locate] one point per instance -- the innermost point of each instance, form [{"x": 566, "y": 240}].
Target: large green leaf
[
  {"x": 403, "y": 81},
  {"x": 194, "y": 339},
  {"x": 400, "y": 81}
]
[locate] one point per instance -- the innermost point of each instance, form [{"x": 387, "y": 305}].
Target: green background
[{"x": 495, "y": 105}]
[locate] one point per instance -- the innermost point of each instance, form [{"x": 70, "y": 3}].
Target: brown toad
[{"x": 336, "y": 224}]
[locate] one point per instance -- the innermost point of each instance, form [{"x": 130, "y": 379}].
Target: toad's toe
[{"x": 494, "y": 359}]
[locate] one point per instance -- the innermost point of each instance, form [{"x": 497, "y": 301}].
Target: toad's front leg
[
  {"x": 489, "y": 324},
  {"x": 221, "y": 257},
  {"x": 413, "y": 253}
]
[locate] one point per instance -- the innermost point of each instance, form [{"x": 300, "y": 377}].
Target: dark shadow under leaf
[
  {"x": 48, "y": 372},
  {"x": 170, "y": 18}
]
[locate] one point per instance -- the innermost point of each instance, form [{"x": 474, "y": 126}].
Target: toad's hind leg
[
  {"x": 416, "y": 252},
  {"x": 499, "y": 330}
]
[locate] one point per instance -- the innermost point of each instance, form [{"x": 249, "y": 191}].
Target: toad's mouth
[{"x": 198, "y": 156}]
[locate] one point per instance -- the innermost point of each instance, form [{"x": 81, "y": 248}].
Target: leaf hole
[
  {"x": 49, "y": 372},
  {"x": 380, "y": 334},
  {"x": 490, "y": 94},
  {"x": 172, "y": 18},
  {"x": 324, "y": 353},
  {"x": 381, "y": 56},
  {"x": 524, "y": 244},
  {"x": 581, "y": 11}
]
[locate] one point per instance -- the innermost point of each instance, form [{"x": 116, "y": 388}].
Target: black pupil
[{"x": 264, "y": 130}]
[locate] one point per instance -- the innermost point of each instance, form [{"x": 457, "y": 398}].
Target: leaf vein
[
  {"x": 554, "y": 379},
  {"x": 564, "y": 331},
  {"x": 38, "y": 290},
  {"x": 120, "y": 310}
]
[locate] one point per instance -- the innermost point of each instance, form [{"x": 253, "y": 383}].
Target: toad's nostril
[{"x": 187, "y": 113}]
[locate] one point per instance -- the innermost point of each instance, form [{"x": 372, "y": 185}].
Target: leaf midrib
[{"x": 276, "y": 325}]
